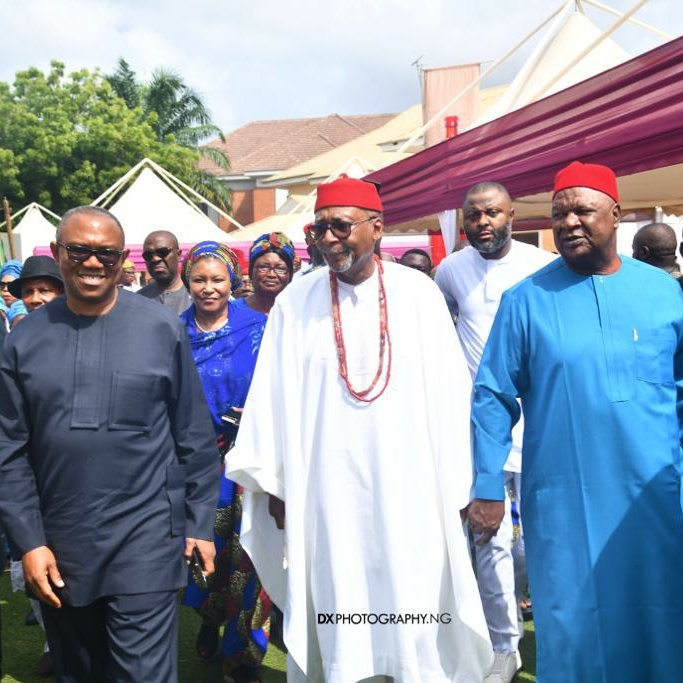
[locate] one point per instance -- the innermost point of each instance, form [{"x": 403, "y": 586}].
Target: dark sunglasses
[
  {"x": 161, "y": 252},
  {"x": 79, "y": 254},
  {"x": 4, "y": 285},
  {"x": 340, "y": 229}
]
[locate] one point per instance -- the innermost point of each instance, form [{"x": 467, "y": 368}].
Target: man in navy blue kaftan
[
  {"x": 107, "y": 463},
  {"x": 593, "y": 345}
]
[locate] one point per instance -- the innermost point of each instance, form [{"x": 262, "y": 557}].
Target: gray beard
[
  {"x": 345, "y": 264},
  {"x": 497, "y": 243}
]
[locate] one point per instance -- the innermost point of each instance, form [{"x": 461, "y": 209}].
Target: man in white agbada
[
  {"x": 357, "y": 423},
  {"x": 472, "y": 281}
]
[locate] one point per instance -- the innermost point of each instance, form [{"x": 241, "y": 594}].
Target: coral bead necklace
[{"x": 384, "y": 340}]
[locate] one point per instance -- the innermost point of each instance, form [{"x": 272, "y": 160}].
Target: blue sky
[{"x": 272, "y": 59}]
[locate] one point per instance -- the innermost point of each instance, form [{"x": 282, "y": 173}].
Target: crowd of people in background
[{"x": 307, "y": 447}]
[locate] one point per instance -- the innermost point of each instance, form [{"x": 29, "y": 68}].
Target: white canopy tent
[
  {"x": 156, "y": 200},
  {"x": 572, "y": 49},
  {"x": 563, "y": 40},
  {"x": 545, "y": 72},
  {"x": 33, "y": 230}
]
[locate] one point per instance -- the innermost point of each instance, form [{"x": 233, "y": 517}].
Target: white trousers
[{"x": 496, "y": 579}]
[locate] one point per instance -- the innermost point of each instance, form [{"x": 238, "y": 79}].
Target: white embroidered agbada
[{"x": 372, "y": 492}]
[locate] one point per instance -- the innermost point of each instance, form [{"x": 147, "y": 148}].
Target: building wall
[
  {"x": 243, "y": 206},
  {"x": 264, "y": 203},
  {"x": 249, "y": 206}
]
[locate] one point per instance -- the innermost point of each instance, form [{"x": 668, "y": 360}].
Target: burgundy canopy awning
[{"x": 630, "y": 118}]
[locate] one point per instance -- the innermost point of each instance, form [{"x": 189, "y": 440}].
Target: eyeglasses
[
  {"x": 265, "y": 268},
  {"x": 79, "y": 254},
  {"x": 4, "y": 285},
  {"x": 161, "y": 252},
  {"x": 340, "y": 229}
]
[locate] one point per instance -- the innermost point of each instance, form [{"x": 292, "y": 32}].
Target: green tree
[
  {"x": 125, "y": 84},
  {"x": 65, "y": 139},
  {"x": 178, "y": 115}
]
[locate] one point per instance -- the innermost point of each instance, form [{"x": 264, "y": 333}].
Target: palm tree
[
  {"x": 181, "y": 113},
  {"x": 177, "y": 114},
  {"x": 179, "y": 109}
]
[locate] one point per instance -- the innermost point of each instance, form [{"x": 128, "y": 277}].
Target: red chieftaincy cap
[
  {"x": 595, "y": 176},
  {"x": 345, "y": 191}
]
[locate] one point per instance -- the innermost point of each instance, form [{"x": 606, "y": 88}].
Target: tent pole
[
  {"x": 169, "y": 180},
  {"x": 117, "y": 185},
  {"x": 635, "y": 22},
  {"x": 420, "y": 131},
  {"x": 8, "y": 221},
  {"x": 40, "y": 208},
  {"x": 194, "y": 193},
  {"x": 17, "y": 214},
  {"x": 624, "y": 18}
]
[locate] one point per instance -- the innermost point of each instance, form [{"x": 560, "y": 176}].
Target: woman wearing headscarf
[
  {"x": 9, "y": 272},
  {"x": 225, "y": 336},
  {"x": 271, "y": 267}
]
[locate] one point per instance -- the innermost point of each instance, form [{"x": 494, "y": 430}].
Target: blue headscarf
[
  {"x": 12, "y": 267},
  {"x": 222, "y": 252}
]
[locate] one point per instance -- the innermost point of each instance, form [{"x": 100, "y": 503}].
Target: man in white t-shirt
[{"x": 473, "y": 280}]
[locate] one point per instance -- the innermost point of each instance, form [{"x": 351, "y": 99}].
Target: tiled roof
[
  {"x": 277, "y": 145},
  {"x": 366, "y": 150}
]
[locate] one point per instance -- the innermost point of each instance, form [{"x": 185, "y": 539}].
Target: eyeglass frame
[
  {"x": 312, "y": 231},
  {"x": 264, "y": 268},
  {"x": 97, "y": 253}
]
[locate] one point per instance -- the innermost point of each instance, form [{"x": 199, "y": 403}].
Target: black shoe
[
  {"x": 45, "y": 667},
  {"x": 30, "y": 619},
  {"x": 208, "y": 641}
]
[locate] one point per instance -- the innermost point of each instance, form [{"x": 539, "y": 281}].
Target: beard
[
  {"x": 500, "y": 238},
  {"x": 342, "y": 264}
]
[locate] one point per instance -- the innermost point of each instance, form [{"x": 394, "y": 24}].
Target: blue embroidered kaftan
[{"x": 598, "y": 363}]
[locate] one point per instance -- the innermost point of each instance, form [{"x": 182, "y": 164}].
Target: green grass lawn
[{"x": 23, "y": 645}]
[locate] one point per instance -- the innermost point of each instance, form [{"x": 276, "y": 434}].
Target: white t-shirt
[{"x": 473, "y": 287}]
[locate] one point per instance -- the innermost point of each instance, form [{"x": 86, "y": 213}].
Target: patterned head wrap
[
  {"x": 278, "y": 243},
  {"x": 12, "y": 267},
  {"x": 216, "y": 250}
]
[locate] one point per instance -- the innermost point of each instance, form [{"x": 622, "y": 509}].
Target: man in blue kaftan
[{"x": 593, "y": 345}]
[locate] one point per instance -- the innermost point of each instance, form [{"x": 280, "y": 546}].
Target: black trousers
[{"x": 117, "y": 639}]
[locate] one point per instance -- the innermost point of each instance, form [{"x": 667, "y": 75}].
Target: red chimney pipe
[
  {"x": 451, "y": 126},
  {"x": 435, "y": 237}
]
